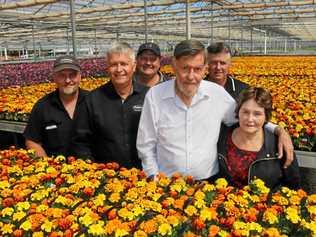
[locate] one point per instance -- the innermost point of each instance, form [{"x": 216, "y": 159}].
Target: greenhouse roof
[{"x": 30, "y": 23}]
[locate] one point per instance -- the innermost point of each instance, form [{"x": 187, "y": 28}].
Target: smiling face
[
  {"x": 148, "y": 64},
  {"x": 218, "y": 67},
  {"x": 121, "y": 68},
  {"x": 67, "y": 81},
  {"x": 189, "y": 70},
  {"x": 251, "y": 116}
]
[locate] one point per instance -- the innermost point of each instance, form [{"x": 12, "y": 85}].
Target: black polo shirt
[
  {"x": 106, "y": 127},
  {"x": 234, "y": 87},
  {"x": 50, "y": 124}
]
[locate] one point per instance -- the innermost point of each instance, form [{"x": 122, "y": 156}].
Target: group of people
[{"x": 204, "y": 123}]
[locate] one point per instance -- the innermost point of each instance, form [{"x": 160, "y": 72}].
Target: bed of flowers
[
  {"x": 47, "y": 196},
  {"x": 292, "y": 82},
  {"x": 17, "y": 102}
]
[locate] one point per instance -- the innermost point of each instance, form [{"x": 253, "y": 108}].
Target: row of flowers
[
  {"x": 68, "y": 197},
  {"x": 39, "y": 72}
]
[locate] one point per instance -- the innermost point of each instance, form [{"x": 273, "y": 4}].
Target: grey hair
[
  {"x": 189, "y": 48},
  {"x": 121, "y": 47}
]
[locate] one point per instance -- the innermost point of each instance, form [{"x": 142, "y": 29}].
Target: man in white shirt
[{"x": 181, "y": 118}]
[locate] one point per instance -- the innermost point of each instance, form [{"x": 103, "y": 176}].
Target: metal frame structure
[{"x": 89, "y": 26}]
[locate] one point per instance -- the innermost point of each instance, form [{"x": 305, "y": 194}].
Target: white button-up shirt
[{"x": 175, "y": 138}]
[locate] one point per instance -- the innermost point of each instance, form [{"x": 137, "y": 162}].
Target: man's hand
[{"x": 285, "y": 143}]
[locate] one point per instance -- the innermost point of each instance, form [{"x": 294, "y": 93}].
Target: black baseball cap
[
  {"x": 66, "y": 62},
  {"x": 149, "y": 46}
]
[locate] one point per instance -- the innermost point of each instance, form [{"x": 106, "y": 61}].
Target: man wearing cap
[
  {"x": 106, "y": 128},
  {"x": 50, "y": 125},
  {"x": 219, "y": 62},
  {"x": 181, "y": 119},
  {"x": 148, "y": 65}
]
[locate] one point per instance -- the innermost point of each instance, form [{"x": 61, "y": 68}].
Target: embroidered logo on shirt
[
  {"x": 137, "y": 108},
  {"x": 50, "y": 127}
]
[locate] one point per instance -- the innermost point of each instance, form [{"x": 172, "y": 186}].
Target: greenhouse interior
[{"x": 46, "y": 190}]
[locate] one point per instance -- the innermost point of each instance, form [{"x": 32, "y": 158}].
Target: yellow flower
[
  {"x": 41, "y": 208},
  {"x": 26, "y": 225},
  {"x": 190, "y": 210},
  {"x": 47, "y": 226},
  {"x": 272, "y": 232},
  {"x": 164, "y": 229},
  {"x": 292, "y": 215},
  {"x": 312, "y": 210},
  {"x": 199, "y": 195},
  {"x": 137, "y": 210},
  {"x": 7, "y": 229},
  {"x": 223, "y": 233},
  {"x": 86, "y": 219},
  {"x": 51, "y": 170},
  {"x": 121, "y": 232},
  {"x": 38, "y": 234},
  {"x": 208, "y": 214},
  {"x": 115, "y": 197},
  {"x": 126, "y": 214},
  {"x": 199, "y": 203},
  {"x": 4, "y": 184},
  {"x": 99, "y": 200},
  {"x": 97, "y": 229},
  {"x": 221, "y": 183},
  {"x": 60, "y": 158},
  {"x": 8, "y": 211},
  {"x": 140, "y": 233},
  {"x": 23, "y": 206},
  {"x": 270, "y": 215},
  {"x": 131, "y": 194},
  {"x": 208, "y": 188},
  {"x": 18, "y": 216}
]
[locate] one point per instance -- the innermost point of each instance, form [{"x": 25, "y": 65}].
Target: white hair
[{"x": 121, "y": 47}]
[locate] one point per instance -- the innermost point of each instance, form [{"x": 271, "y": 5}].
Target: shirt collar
[{"x": 56, "y": 99}]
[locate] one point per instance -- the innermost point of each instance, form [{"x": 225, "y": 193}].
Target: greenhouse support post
[{"x": 73, "y": 27}]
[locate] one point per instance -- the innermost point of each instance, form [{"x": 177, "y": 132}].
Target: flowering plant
[{"x": 55, "y": 196}]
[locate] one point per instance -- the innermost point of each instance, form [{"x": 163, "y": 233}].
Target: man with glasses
[
  {"x": 49, "y": 128},
  {"x": 148, "y": 65}
]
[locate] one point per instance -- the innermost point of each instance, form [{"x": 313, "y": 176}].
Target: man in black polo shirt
[
  {"x": 106, "y": 128},
  {"x": 49, "y": 128},
  {"x": 148, "y": 65},
  {"x": 219, "y": 63}
]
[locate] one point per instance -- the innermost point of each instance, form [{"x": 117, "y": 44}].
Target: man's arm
[
  {"x": 284, "y": 143},
  {"x": 147, "y": 137},
  {"x": 33, "y": 133},
  {"x": 39, "y": 150}
]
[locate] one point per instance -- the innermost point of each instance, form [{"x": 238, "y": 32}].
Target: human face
[
  {"x": 121, "y": 68},
  {"x": 218, "y": 67},
  {"x": 67, "y": 81},
  {"x": 189, "y": 70},
  {"x": 148, "y": 64},
  {"x": 251, "y": 117}
]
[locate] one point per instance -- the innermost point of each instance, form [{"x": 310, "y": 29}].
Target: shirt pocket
[{"x": 52, "y": 135}]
